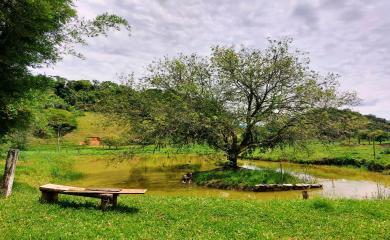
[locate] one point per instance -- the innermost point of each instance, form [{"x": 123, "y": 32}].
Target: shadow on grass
[{"x": 93, "y": 206}]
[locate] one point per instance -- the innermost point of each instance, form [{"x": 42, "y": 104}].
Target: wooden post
[
  {"x": 305, "y": 194},
  {"x": 9, "y": 171}
]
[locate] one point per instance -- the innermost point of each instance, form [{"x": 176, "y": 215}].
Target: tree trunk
[
  {"x": 373, "y": 148},
  {"x": 9, "y": 171},
  {"x": 232, "y": 157}
]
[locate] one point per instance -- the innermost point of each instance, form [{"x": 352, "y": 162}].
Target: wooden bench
[{"x": 108, "y": 196}]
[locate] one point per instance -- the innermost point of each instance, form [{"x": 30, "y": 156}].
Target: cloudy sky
[{"x": 348, "y": 37}]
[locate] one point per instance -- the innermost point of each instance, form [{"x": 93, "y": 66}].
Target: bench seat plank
[
  {"x": 68, "y": 189},
  {"x": 58, "y": 188},
  {"x": 122, "y": 191}
]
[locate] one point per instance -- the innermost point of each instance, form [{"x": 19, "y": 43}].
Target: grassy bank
[
  {"x": 331, "y": 154},
  {"x": 241, "y": 178}
]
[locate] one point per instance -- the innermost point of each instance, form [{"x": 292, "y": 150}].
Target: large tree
[
  {"x": 36, "y": 33},
  {"x": 234, "y": 100}
]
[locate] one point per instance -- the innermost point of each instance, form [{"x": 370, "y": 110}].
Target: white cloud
[{"x": 349, "y": 37}]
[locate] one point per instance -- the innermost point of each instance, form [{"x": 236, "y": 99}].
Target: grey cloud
[
  {"x": 308, "y": 14},
  {"x": 352, "y": 15},
  {"x": 349, "y": 37},
  {"x": 370, "y": 103}
]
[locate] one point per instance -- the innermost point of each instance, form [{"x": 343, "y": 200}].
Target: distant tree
[
  {"x": 377, "y": 123},
  {"x": 112, "y": 141},
  {"x": 363, "y": 135},
  {"x": 235, "y": 100},
  {"x": 379, "y": 136},
  {"x": 62, "y": 122}
]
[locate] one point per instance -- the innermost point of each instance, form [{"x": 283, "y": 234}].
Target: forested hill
[{"x": 78, "y": 108}]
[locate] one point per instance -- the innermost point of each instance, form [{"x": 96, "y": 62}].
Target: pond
[{"x": 161, "y": 175}]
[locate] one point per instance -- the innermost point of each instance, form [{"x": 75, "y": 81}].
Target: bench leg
[
  {"x": 49, "y": 197},
  {"x": 114, "y": 200},
  {"x": 105, "y": 201}
]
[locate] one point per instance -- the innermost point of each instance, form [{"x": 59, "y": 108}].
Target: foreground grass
[
  {"x": 153, "y": 217},
  {"x": 22, "y": 216},
  {"x": 242, "y": 178}
]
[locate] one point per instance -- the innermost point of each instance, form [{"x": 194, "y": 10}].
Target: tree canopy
[
  {"x": 35, "y": 33},
  {"x": 233, "y": 100}
]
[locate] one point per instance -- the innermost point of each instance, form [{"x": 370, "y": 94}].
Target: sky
[{"x": 347, "y": 37}]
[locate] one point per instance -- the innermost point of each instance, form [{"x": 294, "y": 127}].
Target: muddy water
[{"x": 161, "y": 176}]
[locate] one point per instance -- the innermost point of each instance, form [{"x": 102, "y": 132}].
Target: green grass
[
  {"x": 154, "y": 217},
  {"x": 22, "y": 216},
  {"x": 331, "y": 154},
  {"x": 242, "y": 178}
]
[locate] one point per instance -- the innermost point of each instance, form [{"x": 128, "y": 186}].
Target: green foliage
[
  {"x": 34, "y": 33},
  {"x": 61, "y": 121},
  {"x": 378, "y": 135},
  {"x": 113, "y": 141},
  {"x": 83, "y": 94},
  {"x": 334, "y": 124},
  {"x": 378, "y": 123}
]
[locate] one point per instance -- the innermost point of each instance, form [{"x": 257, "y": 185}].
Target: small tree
[
  {"x": 377, "y": 135},
  {"x": 62, "y": 122},
  {"x": 380, "y": 136},
  {"x": 363, "y": 135},
  {"x": 235, "y": 100},
  {"x": 112, "y": 141}
]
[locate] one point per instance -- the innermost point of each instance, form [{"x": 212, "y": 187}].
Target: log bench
[{"x": 108, "y": 196}]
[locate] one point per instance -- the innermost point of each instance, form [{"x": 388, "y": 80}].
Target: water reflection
[{"x": 161, "y": 175}]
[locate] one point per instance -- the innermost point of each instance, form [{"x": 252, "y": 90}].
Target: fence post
[{"x": 9, "y": 172}]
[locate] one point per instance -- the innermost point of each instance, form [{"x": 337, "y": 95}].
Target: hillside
[{"x": 90, "y": 124}]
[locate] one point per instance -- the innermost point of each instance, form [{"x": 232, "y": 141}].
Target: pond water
[{"x": 161, "y": 175}]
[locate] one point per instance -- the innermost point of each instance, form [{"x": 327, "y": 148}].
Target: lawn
[
  {"x": 22, "y": 216},
  {"x": 154, "y": 217}
]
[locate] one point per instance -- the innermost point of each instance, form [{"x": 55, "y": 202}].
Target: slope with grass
[{"x": 89, "y": 124}]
